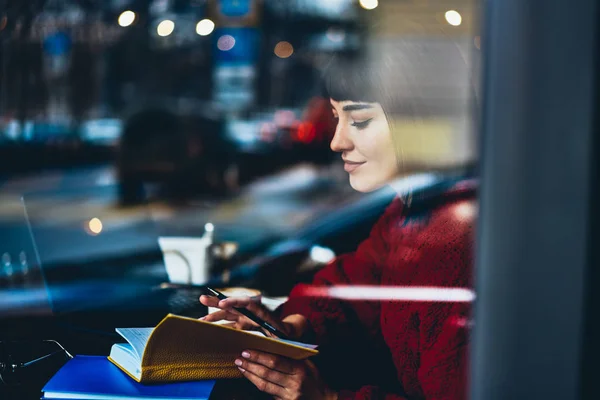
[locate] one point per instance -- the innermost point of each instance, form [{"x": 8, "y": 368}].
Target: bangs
[{"x": 351, "y": 79}]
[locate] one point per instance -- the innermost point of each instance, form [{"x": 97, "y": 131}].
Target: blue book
[{"x": 96, "y": 378}]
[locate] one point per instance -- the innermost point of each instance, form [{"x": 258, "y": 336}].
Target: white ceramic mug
[{"x": 185, "y": 259}]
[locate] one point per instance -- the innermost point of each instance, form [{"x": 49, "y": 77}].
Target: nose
[{"x": 341, "y": 141}]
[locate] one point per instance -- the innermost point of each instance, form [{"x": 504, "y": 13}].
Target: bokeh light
[
  {"x": 284, "y": 49},
  {"x": 369, "y": 4},
  {"x": 165, "y": 28},
  {"x": 205, "y": 27},
  {"x": 453, "y": 17},
  {"x": 126, "y": 18},
  {"x": 335, "y": 35},
  {"x": 95, "y": 226},
  {"x": 226, "y": 43}
]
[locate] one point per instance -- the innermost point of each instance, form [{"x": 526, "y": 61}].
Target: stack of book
[{"x": 181, "y": 358}]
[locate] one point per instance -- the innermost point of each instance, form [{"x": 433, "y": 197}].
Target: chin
[{"x": 364, "y": 185}]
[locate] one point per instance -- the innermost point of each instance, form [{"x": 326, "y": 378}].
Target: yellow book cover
[{"x": 186, "y": 349}]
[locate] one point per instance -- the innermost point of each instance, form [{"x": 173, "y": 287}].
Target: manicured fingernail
[
  {"x": 202, "y": 318},
  {"x": 242, "y": 369},
  {"x": 238, "y": 362},
  {"x": 245, "y": 354}
]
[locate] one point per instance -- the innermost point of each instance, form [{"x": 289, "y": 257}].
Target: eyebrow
[{"x": 355, "y": 107}]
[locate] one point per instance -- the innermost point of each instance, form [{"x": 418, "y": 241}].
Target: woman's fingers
[
  {"x": 251, "y": 305},
  {"x": 241, "y": 322},
  {"x": 229, "y": 313},
  {"x": 264, "y": 385},
  {"x": 209, "y": 301},
  {"x": 261, "y": 312},
  {"x": 233, "y": 302},
  {"x": 269, "y": 361},
  {"x": 237, "y": 302},
  {"x": 276, "y": 375},
  {"x": 221, "y": 315}
]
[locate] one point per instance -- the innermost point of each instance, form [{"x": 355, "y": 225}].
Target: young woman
[{"x": 375, "y": 349}]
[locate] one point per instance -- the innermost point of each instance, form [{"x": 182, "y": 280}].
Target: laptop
[{"x": 110, "y": 267}]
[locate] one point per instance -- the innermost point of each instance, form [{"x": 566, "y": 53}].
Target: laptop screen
[{"x": 93, "y": 255}]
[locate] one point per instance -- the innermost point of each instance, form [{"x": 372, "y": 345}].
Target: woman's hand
[
  {"x": 283, "y": 377},
  {"x": 228, "y": 313}
]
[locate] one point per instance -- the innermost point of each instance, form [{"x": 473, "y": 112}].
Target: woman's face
[{"x": 363, "y": 137}]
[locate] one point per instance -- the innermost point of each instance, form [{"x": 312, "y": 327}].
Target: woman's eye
[{"x": 362, "y": 124}]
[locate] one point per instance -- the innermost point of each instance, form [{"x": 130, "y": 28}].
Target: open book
[{"x": 184, "y": 349}]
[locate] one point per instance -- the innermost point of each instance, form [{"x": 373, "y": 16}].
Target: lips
[{"x": 350, "y": 166}]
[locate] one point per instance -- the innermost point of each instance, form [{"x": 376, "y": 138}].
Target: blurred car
[
  {"x": 275, "y": 266},
  {"x": 269, "y": 139},
  {"x": 210, "y": 152},
  {"x": 183, "y": 153},
  {"x": 304, "y": 134},
  {"x": 312, "y": 136}
]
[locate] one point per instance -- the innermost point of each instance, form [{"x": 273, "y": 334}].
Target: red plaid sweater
[{"x": 392, "y": 349}]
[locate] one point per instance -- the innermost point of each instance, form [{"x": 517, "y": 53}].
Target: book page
[
  {"x": 305, "y": 345},
  {"x": 137, "y": 337},
  {"x": 124, "y": 356},
  {"x": 259, "y": 333}
]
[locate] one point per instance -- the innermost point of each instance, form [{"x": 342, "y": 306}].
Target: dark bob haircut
[{"x": 356, "y": 78}]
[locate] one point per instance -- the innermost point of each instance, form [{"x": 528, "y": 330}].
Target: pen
[{"x": 251, "y": 316}]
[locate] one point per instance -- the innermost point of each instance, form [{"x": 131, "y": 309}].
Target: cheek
[{"x": 376, "y": 144}]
